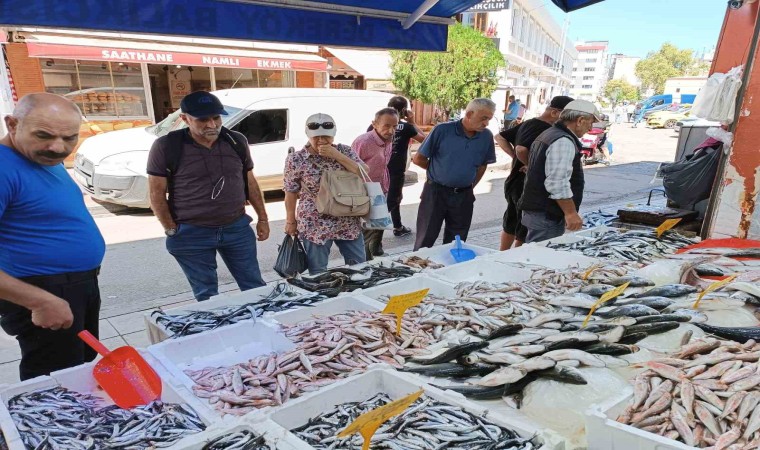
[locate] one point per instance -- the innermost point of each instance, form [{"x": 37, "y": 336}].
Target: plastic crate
[
  {"x": 337, "y": 305},
  {"x": 480, "y": 270},
  {"x": 80, "y": 379},
  {"x": 407, "y": 285},
  {"x": 532, "y": 254},
  {"x": 273, "y": 435},
  {"x": 396, "y": 385}
]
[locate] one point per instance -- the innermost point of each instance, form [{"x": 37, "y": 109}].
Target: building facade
[
  {"x": 591, "y": 70},
  {"x": 539, "y": 57},
  {"x": 623, "y": 67}
]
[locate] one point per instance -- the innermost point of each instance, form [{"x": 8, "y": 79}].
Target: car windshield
[{"x": 174, "y": 122}]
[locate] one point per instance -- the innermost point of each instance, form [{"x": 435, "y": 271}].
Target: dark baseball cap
[
  {"x": 560, "y": 101},
  {"x": 202, "y": 104}
]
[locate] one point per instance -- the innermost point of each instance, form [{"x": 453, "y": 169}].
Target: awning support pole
[{"x": 419, "y": 12}]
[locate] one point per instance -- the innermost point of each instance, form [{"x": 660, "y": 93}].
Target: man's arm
[
  {"x": 479, "y": 174},
  {"x": 48, "y": 311},
  {"x": 256, "y": 198},
  {"x": 158, "y": 203},
  {"x": 420, "y": 136},
  {"x": 559, "y": 168},
  {"x": 522, "y": 154},
  {"x": 420, "y": 160},
  {"x": 505, "y": 145}
]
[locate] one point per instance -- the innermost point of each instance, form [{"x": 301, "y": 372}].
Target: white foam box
[
  {"x": 589, "y": 232},
  {"x": 274, "y": 436},
  {"x": 567, "y": 238},
  {"x": 222, "y": 347},
  {"x": 80, "y": 379},
  {"x": 158, "y": 333},
  {"x": 532, "y": 254},
  {"x": 337, "y": 305},
  {"x": 396, "y": 385},
  {"x": 481, "y": 270},
  {"x": 603, "y": 432},
  {"x": 407, "y": 285},
  {"x": 442, "y": 253}
]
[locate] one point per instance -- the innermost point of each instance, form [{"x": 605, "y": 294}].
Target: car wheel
[{"x": 670, "y": 124}]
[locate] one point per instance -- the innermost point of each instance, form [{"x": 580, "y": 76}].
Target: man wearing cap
[
  {"x": 554, "y": 183},
  {"x": 516, "y": 143},
  {"x": 455, "y": 155},
  {"x": 208, "y": 173}
]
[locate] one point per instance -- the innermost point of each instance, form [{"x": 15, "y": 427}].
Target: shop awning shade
[
  {"x": 572, "y": 5},
  {"x": 395, "y": 24}
]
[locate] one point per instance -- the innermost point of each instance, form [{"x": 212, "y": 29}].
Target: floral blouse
[{"x": 303, "y": 173}]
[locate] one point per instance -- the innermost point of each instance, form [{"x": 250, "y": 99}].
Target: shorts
[{"x": 512, "y": 221}]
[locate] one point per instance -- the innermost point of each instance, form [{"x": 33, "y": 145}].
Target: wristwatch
[{"x": 170, "y": 232}]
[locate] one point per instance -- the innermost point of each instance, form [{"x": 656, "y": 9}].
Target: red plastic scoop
[{"x": 124, "y": 374}]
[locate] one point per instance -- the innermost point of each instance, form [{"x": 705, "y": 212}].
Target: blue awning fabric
[
  {"x": 572, "y": 5},
  {"x": 350, "y": 23}
]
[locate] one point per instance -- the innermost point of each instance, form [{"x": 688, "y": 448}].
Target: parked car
[
  {"x": 668, "y": 119},
  {"x": 112, "y": 166}
]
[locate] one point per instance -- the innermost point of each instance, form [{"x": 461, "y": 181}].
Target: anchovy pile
[
  {"x": 598, "y": 219},
  {"x": 58, "y": 418},
  {"x": 706, "y": 394},
  {"x": 416, "y": 262},
  {"x": 239, "y": 440},
  {"x": 426, "y": 424},
  {"x": 345, "y": 279},
  {"x": 282, "y": 298},
  {"x": 328, "y": 349},
  {"x": 633, "y": 245}
]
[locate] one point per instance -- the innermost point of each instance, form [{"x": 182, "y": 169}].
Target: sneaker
[{"x": 403, "y": 231}]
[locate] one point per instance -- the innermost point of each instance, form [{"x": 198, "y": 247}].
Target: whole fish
[
  {"x": 451, "y": 370},
  {"x": 658, "y": 303},
  {"x": 455, "y": 352},
  {"x": 668, "y": 290},
  {"x": 738, "y": 334},
  {"x": 596, "y": 290},
  {"x": 631, "y": 310}
]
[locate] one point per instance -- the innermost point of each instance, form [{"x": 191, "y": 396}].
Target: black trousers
[
  {"x": 395, "y": 195},
  {"x": 438, "y": 205},
  {"x": 42, "y": 350}
]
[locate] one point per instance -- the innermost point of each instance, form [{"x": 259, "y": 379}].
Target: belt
[
  {"x": 62, "y": 278},
  {"x": 455, "y": 190}
]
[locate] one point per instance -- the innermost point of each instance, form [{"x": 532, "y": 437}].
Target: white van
[{"x": 112, "y": 166}]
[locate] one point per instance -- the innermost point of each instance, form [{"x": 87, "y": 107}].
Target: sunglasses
[{"x": 316, "y": 125}]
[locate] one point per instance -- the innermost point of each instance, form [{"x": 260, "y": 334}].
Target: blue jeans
[
  {"x": 541, "y": 227},
  {"x": 318, "y": 255},
  {"x": 195, "y": 247}
]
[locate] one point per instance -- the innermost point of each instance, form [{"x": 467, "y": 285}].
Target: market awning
[
  {"x": 372, "y": 65},
  {"x": 572, "y": 5},
  {"x": 400, "y": 24}
]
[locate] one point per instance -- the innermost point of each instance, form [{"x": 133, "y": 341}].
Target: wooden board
[{"x": 655, "y": 215}]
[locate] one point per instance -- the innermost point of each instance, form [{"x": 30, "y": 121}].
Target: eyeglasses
[{"x": 316, "y": 125}]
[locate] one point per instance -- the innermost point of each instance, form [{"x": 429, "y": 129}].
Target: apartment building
[
  {"x": 624, "y": 68},
  {"x": 591, "y": 70},
  {"x": 539, "y": 57}
]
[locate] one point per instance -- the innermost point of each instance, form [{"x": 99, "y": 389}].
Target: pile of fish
[
  {"x": 239, "y": 440},
  {"x": 327, "y": 349},
  {"x": 706, "y": 394},
  {"x": 426, "y": 424},
  {"x": 632, "y": 245},
  {"x": 417, "y": 262},
  {"x": 346, "y": 279},
  {"x": 598, "y": 219},
  {"x": 283, "y": 297},
  {"x": 58, "y": 418}
]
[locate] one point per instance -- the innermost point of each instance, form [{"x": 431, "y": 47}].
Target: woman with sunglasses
[{"x": 303, "y": 173}]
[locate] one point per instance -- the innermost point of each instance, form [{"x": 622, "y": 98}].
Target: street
[{"x": 139, "y": 275}]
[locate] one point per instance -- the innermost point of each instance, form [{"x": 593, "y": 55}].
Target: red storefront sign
[{"x": 163, "y": 57}]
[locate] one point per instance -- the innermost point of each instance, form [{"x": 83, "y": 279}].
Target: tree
[
  {"x": 668, "y": 62},
  {"x": 619, "y": 90},
  {"x": 468, "y": 69}
]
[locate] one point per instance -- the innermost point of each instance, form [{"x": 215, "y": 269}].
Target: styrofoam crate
[
  {"x": 275, "y": 436},
  {"x": 603, "y": 432},
  {"x": 589, "y": 232},
  {"x": 442, "y": 253},
  {"x": 158, "y": 333},
  {"x": 80, "y": 379},
  {"x": 479, "y": 269},
  {"x": 407, "y": 285},
  {"x": 532, "y": 254},
  {"x": 337, "y": 305},
  {"x": 567, "y": 238},
  {"x": 395, "y": 385},
  {"x": 222, "y": 347}
]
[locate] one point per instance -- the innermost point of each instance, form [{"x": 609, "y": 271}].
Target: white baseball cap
[
  {"x": 320, "y": 125},
  {"x": 584, "y": 106}
]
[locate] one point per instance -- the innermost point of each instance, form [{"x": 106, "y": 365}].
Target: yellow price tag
[
  {"x": 665, "y": 226},
  {"x": 369, "y": 422},
  {"x": 712, "y": 287},
  {"x": 590, "y": 271},
  {"x": 607, "y": 296},
  {"x": 398, "y": 304}
]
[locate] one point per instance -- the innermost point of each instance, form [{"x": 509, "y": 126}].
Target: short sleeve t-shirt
[
  {"x": 454, "y": 156},
  {"x": 527, "y": 132},
  {"x": 45, "y": 228},
  {"x": 199, "y": 174}
]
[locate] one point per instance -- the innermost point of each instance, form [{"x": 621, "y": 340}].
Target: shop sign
[
  {"x": 490, "y": 5},
  {"x": 161, "y": 57},
  {"x": 378, "y": 85}
]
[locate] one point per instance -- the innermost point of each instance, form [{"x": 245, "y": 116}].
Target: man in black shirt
[{"x": 516, "y": 143}]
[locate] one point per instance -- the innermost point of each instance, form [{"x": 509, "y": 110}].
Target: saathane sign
[{"x": 160, "y": 57}]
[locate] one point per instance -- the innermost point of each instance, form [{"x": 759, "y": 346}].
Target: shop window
[
  {"x": 267, "y": 125},
  {"x": 239, "y": 78},
  {"x": 100, "y": 89}
]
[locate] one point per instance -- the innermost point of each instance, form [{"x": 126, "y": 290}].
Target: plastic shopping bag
[
  {"x": 291, "y": 258},
  {"x": 378, "y": 217}
]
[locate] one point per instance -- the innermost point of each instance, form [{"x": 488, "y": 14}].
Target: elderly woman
[{"x": 303, "y": 173}]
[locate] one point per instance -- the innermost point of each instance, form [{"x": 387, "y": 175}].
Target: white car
[{"x": 112, "y": 166}]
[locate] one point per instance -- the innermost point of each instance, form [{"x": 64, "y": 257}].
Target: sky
[{"x": 636, "y": 27}]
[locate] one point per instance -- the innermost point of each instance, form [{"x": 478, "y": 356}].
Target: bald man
[{"x": 50, "y": 247}]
